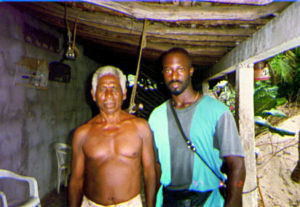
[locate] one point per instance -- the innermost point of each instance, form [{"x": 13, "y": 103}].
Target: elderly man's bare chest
[{"x": 113, "y": 142}]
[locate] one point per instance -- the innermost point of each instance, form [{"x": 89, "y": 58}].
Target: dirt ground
[{"x": 277, "y": 158}]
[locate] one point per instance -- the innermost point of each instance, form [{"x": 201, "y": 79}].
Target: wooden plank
[
  {"x": 95, "y": 9},
  {"x": 172, "y": 38},
  {"x": 133, "y": 37},
  {"x": 212, "y": 2},
  {"x": 126, "y": 25},
  {"x": 157, "y": 28},
  {"x": 161, "y": 12},
  {"x": 203, "y": 38},
  {"x": 217, "y": 22},
  {"x": 217, "y": 48},
  {"x": 118, "y": 40},
  {"x": 193, "y": 43},
  {"x": 150, "y": 54},
  {"x": 280, "y": 34},
  {"x": 253, "y": 2},
  {"x": 245, "y": 121}
]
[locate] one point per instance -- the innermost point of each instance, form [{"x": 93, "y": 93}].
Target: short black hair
[{"x": 177, "y": 50}]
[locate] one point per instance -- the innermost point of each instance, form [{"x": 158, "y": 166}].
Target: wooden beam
[
  {"x": 173, "y": 38},
  {"x": 114, "y": 41},
  {"x": 193, "y": 43},
  {"x": 210, "y": 2},
  {"x": 279, "y": 35},
  {"x": 217, "y": 22},
  {"x": 161, "y": 12},
  {"x": 133, "y": 37},
  {"x": 85, "y": 32},
  {"x": 153, "y": 54},
  {"x": 127, "y": 25},
  {"x": 99, "y": 9},
  {"x": 253, "y": 2},
  {"x": 203, "y": 38},
  {"x": 158, "y": 28},
  {"x": 195, "y": 40}
]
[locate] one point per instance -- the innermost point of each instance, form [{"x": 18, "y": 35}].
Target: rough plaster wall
[{"x": 31, "y": 120}]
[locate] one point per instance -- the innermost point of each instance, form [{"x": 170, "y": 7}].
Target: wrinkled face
[
  {"x": 177, "y": 72},
  {"x": 108, "y": 96}
]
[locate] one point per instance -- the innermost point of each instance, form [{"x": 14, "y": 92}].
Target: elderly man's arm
[
  {"x": 236, "y": 173},
  {"x": 77, "y": 173},
  {"x": 148, "y": 161}
]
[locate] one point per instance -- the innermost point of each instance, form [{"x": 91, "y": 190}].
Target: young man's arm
[
  {"x": 229, "y": 143},
  {"x": 77, "y": 172},
  {"x": 148, "y": 161},
  {"x": 236, "y": 173}
]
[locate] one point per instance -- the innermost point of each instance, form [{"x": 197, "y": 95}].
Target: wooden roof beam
[
  {"x": 173, "y": 13},
  {"x": 125, "y": 25},
  {"x": 252, "y": 2},
  {"x": 203, "y": 53},
  {"x": 133, "y": 37}
]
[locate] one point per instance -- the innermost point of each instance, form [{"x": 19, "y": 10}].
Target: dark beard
[{"x": 176, "y": 91}]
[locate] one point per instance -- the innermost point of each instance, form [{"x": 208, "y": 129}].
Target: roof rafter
[{"x": 173, "y": 13}]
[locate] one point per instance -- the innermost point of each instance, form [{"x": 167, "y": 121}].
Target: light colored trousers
[{"x": 134, "y": 202}]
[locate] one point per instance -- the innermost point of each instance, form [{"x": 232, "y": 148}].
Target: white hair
[{"x": 105, "y": 70}]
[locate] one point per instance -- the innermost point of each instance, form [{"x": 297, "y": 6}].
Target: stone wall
[{"x": 31, "y": 119}]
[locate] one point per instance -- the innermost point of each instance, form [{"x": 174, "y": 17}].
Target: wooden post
[
  {"x": 245, "y": 122},
  {"x": 205, "y": 87}
]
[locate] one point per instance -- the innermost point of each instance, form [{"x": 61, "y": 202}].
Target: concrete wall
[{"x": 31, "y": 120}]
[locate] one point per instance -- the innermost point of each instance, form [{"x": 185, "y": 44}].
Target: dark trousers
[{"x": 184, "y": 198}]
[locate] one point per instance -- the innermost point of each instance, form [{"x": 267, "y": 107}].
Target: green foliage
[
  {"x": 264, "y": 97},
  {"x": 265, "y": 101},
  {"x": 280, "y": 101},
  {"x": 283, "y": 66},
  {"x": 286, "y": 73}
]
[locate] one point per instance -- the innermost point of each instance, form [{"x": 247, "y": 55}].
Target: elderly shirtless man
[{"x": 111, "y": 149}]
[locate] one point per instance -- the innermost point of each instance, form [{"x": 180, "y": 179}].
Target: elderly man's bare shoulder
[
  {"x": 140, "y": 123},
  {"x": 134, "y": 119},
  {"x": 82, "y": 131}
]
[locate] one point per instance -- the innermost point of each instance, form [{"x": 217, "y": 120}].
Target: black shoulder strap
[{"x": 189, "y": 143}]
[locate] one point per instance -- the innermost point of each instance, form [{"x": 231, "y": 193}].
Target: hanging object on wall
[
  {"x": 59, "y": 71},
  {"x": 261, "y": 71},
  {"x": 32, "y": 72},
  {"x": 72, "y": 51}
]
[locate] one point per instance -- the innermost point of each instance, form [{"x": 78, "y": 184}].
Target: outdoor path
[{"x": 278, "y": 158}]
